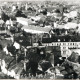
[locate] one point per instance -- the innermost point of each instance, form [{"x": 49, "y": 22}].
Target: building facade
[
  {"x": 65, "y": 51},
  {"x": 64, "y": 46}
]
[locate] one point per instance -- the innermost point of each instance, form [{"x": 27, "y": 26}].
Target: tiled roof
[
  {"x": 67, "y": 38},
  {"x": 17, "y": 67}
]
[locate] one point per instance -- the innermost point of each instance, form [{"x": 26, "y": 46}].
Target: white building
[
  {"x": 65, "y": 52},
  {"x": 13, "y": 8},
  {"x": 71, "y": 14}
]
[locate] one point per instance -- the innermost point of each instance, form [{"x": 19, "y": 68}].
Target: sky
[
  {"x": 72, "y": 1},
  {"x": 43, "y": 0}
]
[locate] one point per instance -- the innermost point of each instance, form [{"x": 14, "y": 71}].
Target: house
[
  {"x": 36, "y": 29},
  {"x": 13, "y": 69},
  {"x": 23, "y": 21},
  {"x": 70, "y": 25},
  {"x": 71, "y": 14},
  {"x": 35, "y": 18},
  {"x": 13, "y": 8},
  {"x": 64, "y": 46}
]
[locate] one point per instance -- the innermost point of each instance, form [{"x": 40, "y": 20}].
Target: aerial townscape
[{"x": 39, "y": 40}]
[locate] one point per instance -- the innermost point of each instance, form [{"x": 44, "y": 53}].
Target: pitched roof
[
  {"x": 23, "y": 21},
  {"x": 36, "y": 29},
  {"x": 69, "y": 25}
]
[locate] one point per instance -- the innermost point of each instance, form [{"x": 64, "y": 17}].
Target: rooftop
[{"x": 36, "y": 29}]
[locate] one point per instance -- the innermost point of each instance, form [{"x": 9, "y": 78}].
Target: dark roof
[
  {"x": 5, "y": 42},
  {"x": 66, "y": 38}
]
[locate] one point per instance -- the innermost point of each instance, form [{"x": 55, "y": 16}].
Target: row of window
[{"x": 63, "y": 44}]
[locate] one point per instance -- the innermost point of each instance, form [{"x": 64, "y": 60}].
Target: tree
[
  {"x": 74, "y": 57},
  {"x": 19, "y": 13},
  {"x": 4, "y": 17}
]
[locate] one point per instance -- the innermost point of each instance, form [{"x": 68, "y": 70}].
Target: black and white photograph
[{"x": 39, "y": 39}]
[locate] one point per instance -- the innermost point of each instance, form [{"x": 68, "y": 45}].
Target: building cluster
[{"x": 38, "y": 39}]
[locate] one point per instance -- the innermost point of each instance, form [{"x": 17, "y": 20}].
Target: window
[
  {"x": 64, "y": 47},
  {"x": 57, "y": 44},
  {"x": 60, "y": 44},
  {"x": 64, "y": 43},
  {"x": 64, "y": 52},
  {"x": 70, "y": 43},
  {"x": 73, "y": 44}
]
